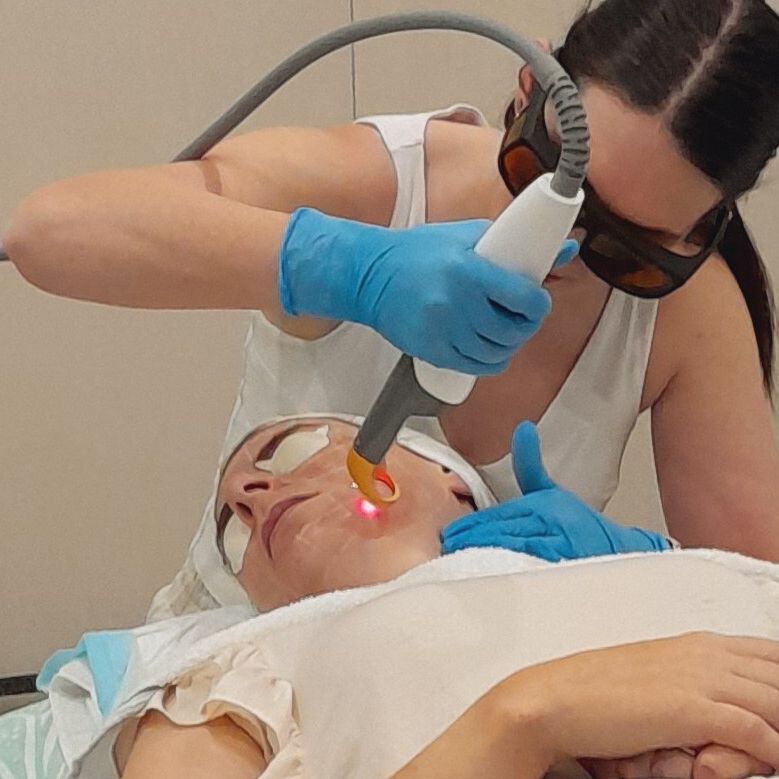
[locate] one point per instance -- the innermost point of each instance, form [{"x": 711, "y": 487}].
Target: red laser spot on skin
[{"x": 365, "y": 509}]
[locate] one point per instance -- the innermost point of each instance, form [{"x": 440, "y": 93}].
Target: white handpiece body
[{"x": 526, "y": 237}]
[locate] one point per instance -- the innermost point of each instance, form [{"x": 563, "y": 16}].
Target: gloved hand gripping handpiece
[
  {"x": 527, "y": 238},
  {"x": 425, "y": 383}
]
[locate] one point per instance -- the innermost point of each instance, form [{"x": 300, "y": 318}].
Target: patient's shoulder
[{"x": 164, "y": 750}]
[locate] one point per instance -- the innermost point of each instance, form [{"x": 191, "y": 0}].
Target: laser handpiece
[{"x": 526, "y": 237}]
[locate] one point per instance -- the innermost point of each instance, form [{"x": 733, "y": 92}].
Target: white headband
[{"x": 417, "y": 442}]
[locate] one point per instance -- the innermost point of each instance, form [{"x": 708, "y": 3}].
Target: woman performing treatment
[
  {"x": 355, "y": 243},
  {"x": 364, "y": 681},
  {"x": 666, "y": 308}
]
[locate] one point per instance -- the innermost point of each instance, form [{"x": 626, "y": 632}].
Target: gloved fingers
[
  {"x": 502, "y": 326},
  {"x": 528, "y": 464},
  {"x": 483, "y": 349},
  {"x": 465, "y": 231},
  {"x": 517, "y": 524},
  {"x": 654, "y": 541},
  {"x": 466, "y": 363},
  {"x": 493, "y": 330},
  {"x": 487, "y": 536},
  {"x": 513, "y": 509},
  {"x": 545, "y": 548},
  {"x": 450, "y": 545},
  {"x": 568, "y": 251},
  {"x": 621, "y": 539},
  {"x": 532, "y": 303},
  {"x": 513, "y": 291}
]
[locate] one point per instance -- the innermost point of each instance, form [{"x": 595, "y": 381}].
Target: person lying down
[{"x": 376, "y": 657}]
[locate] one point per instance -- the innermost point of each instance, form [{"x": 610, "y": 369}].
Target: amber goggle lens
[
  {"x": 617, "y": 264},
  {"x": 520, "y": 168},
  {"x": 626, "y": 267}
]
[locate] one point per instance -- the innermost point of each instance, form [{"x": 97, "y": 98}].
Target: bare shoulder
[
  {"x": 707, "y": 319},
  {"x": 163, "y": 750},
  {"x": 344, "y": 170},
  {"x": 461, "y": 171}
]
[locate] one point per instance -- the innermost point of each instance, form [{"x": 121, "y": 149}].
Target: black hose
[{"x": 17, "y": 685}]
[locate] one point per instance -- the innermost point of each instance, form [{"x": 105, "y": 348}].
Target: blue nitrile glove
[
  {"x": 423, "y": 288},
  {"x": 547, "y": 521}
]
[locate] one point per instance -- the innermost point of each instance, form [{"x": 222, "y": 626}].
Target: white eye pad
[
  {"x": 236, "y": 539},
  {"x": 295, "y": 449}
]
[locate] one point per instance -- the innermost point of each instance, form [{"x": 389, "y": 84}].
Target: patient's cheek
[{"x": 364, "y": 509}]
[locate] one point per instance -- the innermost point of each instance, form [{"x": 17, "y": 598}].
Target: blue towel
[{"x": 106, "y": 653}]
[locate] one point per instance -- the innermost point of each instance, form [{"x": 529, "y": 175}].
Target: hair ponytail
[{"x": 746, "y": 265}]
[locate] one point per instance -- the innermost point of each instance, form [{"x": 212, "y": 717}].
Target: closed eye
[{"x": 466, "y": 499}]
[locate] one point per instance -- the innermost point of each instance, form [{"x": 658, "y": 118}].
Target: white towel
[{"x": 377, "y": 673}]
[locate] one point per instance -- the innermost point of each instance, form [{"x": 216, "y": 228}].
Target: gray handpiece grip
[{"x": 400, "y": 398}]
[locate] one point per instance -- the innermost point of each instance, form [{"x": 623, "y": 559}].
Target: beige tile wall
[
  {"x": 111, "y": 420},
  {"x": 424, "y": 70}
]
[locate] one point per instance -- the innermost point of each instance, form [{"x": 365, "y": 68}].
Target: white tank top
[{"x": 583, "y": 432}]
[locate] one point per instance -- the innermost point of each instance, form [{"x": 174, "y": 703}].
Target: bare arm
[
  {"x": 689, "y": 691},
  {"x": 163, "y": 750},
  {"x": 483, "y": 742},
  {"x": 197, "y": 234},
  {"x": 495, "y": 737},
  {"x": 713, "y": 431}
]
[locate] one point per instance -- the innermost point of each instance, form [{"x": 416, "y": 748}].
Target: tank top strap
[
  {"x": 586, "y": 427},
  {"x": 404, "y": 137},
  {"x": 612, "y": 367}
]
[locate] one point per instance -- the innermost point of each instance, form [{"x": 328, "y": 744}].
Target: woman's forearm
[
  {"x": 495, "y": 737},
  {"x": 149, "y": 238}
]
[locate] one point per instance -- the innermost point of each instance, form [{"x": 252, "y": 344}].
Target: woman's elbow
[{"x": 34, "y": 239}]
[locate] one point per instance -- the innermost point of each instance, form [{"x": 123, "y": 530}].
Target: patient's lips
[{"x": 275, "y": 514}]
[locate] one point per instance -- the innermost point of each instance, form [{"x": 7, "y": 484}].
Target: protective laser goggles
[{"x": 615, "y": 250}]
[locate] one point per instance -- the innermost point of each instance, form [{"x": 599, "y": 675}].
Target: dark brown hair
[{"x": 713, "y": 67}]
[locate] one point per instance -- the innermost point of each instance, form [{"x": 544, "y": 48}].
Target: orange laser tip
[{"x": 371, "y": 480}]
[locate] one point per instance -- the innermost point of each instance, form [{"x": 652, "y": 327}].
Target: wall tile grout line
[{"x": 353, "y": 65}]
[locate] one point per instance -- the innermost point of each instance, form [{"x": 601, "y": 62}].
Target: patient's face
[{"x": 289, "y": 485}]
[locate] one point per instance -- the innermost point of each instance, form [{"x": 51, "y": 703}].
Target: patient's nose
[
  {"x": 247, "y": 495},
  {"x": 251, "y": 484}
]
